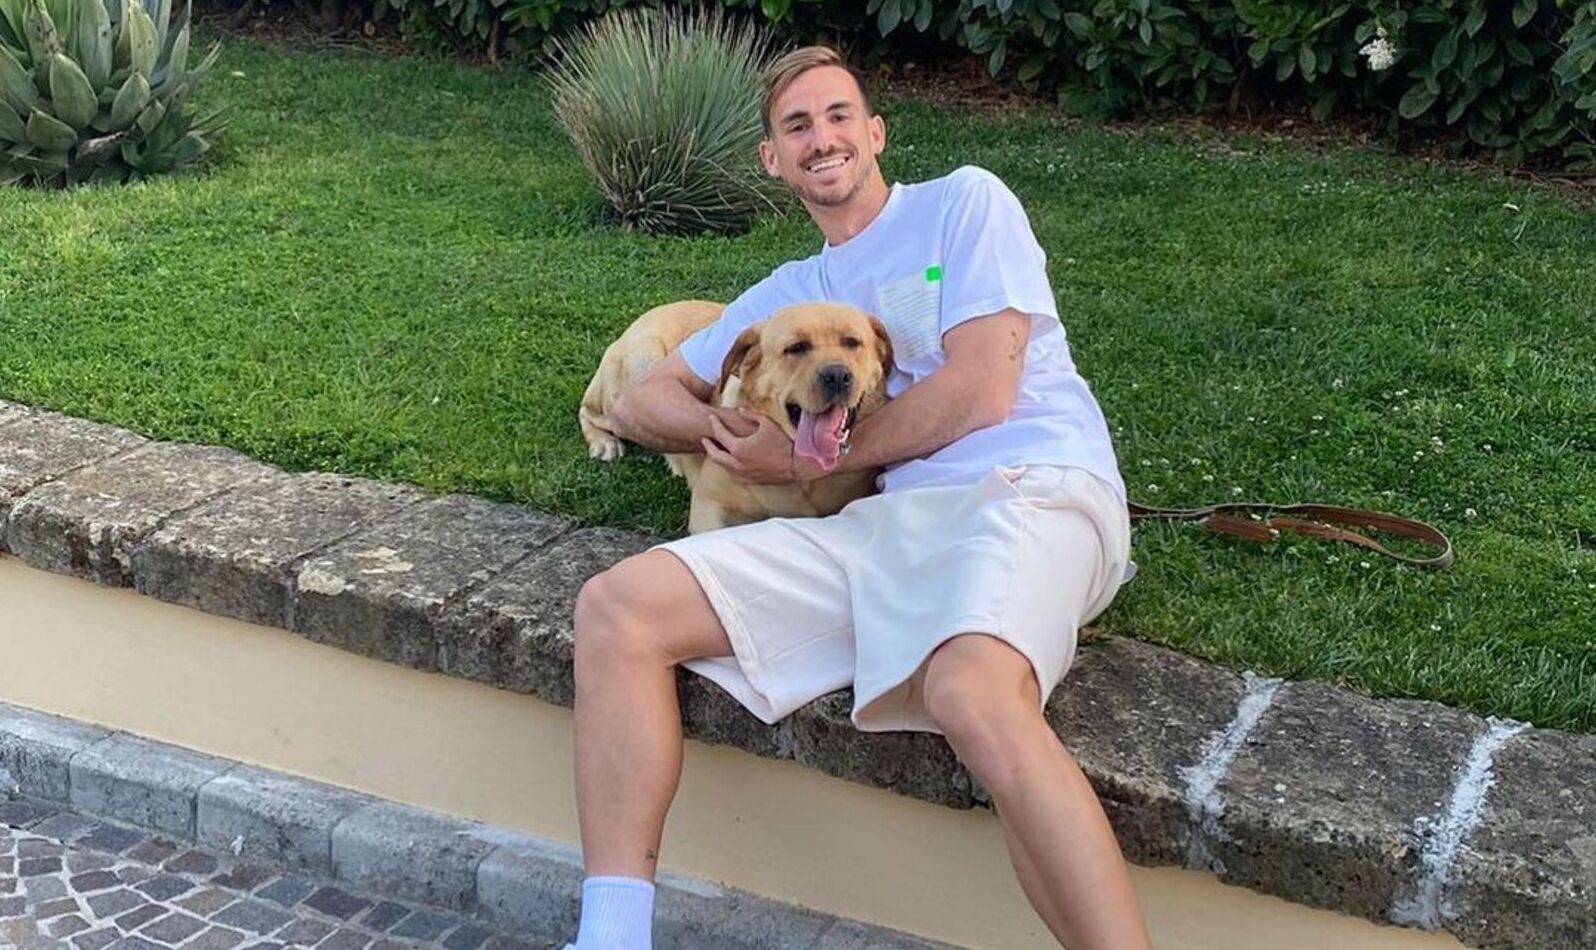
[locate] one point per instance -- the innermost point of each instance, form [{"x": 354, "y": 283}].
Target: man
[{"x": 950, "y": 601}]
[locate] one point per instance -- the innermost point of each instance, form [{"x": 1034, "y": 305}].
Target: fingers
[
  {"x": 746, "y": 423},
  {"x": 722, "y": 434},
  {"x": 720, "y": 455}
]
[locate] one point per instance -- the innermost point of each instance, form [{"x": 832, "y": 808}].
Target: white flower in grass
[
  {"x": 1379, "y": 51},
  {"x": 1470, "y": 513}
]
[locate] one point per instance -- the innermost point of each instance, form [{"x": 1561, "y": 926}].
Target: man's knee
[
  {"x": 980, "y": 691},
  {"x": 648, "y": 608},
  {"x": 608, "y": 621}
]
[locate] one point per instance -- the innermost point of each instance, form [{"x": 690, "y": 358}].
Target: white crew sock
[{"x": 617, "y": 914}]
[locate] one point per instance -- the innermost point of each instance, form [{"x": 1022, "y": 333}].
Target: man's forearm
[
  {"x": 662, "y": 415},
  {"x": 928, "y": 415}
]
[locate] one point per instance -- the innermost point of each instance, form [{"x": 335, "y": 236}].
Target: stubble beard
[{"x": 830, "y": 198}]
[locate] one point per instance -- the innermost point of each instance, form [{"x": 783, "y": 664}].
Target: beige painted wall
[{"x": 268, "y": 697}]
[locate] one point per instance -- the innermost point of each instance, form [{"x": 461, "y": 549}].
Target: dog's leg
[
  {"x": 705, "y": 515},
  {"x": 602, "y": 443}
]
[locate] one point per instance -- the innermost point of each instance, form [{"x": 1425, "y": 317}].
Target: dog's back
[{"x": 650, "y": 338}]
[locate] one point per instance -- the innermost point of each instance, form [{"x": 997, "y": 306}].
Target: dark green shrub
[
  {"x": 1517, "y": 77},
  {"x": 664, "y": 110}
]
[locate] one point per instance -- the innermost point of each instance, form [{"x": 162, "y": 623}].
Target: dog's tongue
[{"x": 820, "y": 437}]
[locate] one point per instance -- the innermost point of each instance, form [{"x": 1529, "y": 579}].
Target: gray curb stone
[
  {"x": 690, "y": 914},
  {"x": 532, "y": 884},
  {"x": 510, "y": 879},
  {"x": 1527, "y": 877},
  {"x": 256, "y": 812},
  {"x": 515, "y": 632},
  {"x": 39, "y": 447},
  {"x": 918, "y": 764},
  {"x": 216, "y": 558},
  {"x": 848, "y": 935},
  {"x": 86, "y": 523},
  {"x": 150, "y": 784},
  {"x": 1345, "y": 836},
  {"x": 381, "y": 591},
  {"x": 1307, "y": 792},
  {"x": 36, "y": 751},
  {"x": 412, "y": 853},
  {"x": 1171, "y": 704}
]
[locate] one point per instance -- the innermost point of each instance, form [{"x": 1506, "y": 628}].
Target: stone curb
[
  {"x": 380, "y": 847},
  {"x": 1398, "y": 811}
]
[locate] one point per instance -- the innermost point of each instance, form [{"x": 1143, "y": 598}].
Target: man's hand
[{"x": 763, "y": 456}]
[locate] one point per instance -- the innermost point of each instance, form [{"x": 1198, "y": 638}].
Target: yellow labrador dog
[{"x": 815, "y": 369}]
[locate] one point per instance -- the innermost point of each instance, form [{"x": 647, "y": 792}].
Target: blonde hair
[{"x": 784, "y": 71}]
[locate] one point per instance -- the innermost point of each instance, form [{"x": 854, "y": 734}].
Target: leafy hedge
[{"x": 1517, "y": 77}]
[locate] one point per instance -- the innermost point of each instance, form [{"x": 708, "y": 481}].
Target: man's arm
[
  {"x": 669, "y": 410},
  {"x": 974, "y": 388}
]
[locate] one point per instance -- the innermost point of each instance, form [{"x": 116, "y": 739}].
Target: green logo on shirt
[{"x": 933, "y": 273}]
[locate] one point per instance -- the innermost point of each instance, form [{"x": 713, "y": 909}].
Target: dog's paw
[
  {"x": 606, "y": 449},
  {"x": 674, "y": 466}
]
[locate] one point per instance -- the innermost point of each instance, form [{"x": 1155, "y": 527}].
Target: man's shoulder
[
  {"x": 960, "y": 181},
  {"x": 791, "y": 279}
]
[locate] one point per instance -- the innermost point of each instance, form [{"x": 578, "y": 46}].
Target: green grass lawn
[{"x": 395, "y": 268}]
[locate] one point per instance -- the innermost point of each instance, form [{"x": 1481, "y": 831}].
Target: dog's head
[{"x": 814, "y": 368}]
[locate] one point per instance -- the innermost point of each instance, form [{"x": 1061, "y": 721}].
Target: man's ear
[
  {"x": 883, "y": 347},
  {"x": 768, "y": 158},
  {"x": 742, "y": 359}
]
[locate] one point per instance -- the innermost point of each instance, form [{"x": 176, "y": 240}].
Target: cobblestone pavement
[{"x": 73, "y": 883}]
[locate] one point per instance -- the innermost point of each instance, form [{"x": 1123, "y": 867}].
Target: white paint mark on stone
[
  {"x": 387, "y": 561},
  {"x": 1444, "y": 836},
  {"x": 323, "y": 582},
  {"x": 1203, "y": 804}
]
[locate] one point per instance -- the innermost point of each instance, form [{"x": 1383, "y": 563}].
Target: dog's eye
[
  {"x": 798, "y": 349},
  {"x": 851, "y": 342}
]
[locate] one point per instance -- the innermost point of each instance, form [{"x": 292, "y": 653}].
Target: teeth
[{"x": 827, "y": 165}]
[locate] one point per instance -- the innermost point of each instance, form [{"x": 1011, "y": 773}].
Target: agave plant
[
  {"x": 96, "y": 90},
  {"x": 664, "y": 110}
]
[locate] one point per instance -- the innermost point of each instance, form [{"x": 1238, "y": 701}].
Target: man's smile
[{"x": 822, "y": 166}]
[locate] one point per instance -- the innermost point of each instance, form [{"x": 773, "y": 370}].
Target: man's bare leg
[
  {"x": 983, "y": 695},
  {"x": 634, "y": 624}
]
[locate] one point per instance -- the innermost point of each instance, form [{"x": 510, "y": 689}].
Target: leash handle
[{"x": 1329, "y": 522}]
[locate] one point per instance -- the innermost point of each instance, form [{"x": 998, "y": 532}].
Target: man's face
[{"x": 823, "y": 143}]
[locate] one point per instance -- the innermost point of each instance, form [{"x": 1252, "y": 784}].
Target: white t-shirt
[{"x": 942, "y": 252}]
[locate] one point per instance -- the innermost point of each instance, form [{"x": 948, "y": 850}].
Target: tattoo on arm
[{"x": 651, "y": 854}]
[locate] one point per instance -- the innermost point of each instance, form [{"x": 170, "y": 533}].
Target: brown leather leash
[{"x": 1330, "y": 522}]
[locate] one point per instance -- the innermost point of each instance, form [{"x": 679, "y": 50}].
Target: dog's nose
[{"x": 836, "y": 381}]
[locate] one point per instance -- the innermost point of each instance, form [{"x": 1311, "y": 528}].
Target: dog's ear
[
  {"x": 740, "y": 360},
  {"x": 883, "y": 347}
]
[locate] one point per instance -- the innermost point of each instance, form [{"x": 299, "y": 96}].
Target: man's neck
[{"x": 841, "y": 223}]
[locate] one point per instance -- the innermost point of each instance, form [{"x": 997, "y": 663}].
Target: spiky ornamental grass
[
  {"x": 97, "y": 90},
  {"x": 664, "y": 110}
]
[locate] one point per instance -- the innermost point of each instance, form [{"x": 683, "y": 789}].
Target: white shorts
[{"x": 863, "y": 597}]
